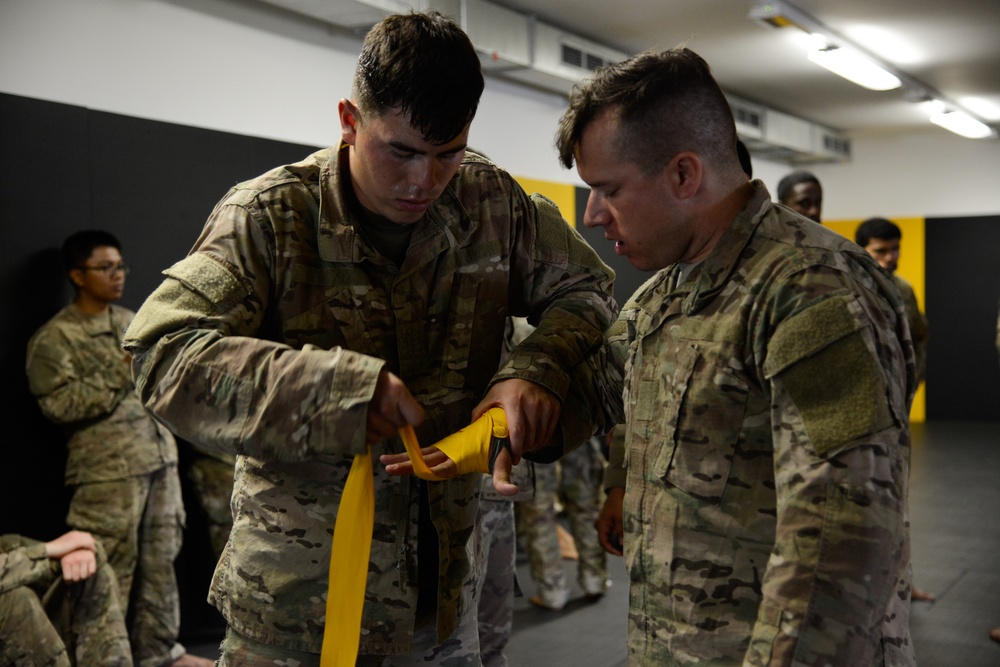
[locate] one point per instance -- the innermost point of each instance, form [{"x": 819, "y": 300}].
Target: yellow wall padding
[
  {"x": 563, "y": 195},
  {"x": 912, "y": 268}
]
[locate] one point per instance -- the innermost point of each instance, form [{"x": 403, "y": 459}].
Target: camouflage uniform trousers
[
  {"x": 138, "y": 520},
  {"x": 40, "y": 625},
  {"x": 576, "y": 478},
  {"x": 461, "y": 649},
  {"x": 212, "y": 483},
  {"x": 498, "y": 583}
]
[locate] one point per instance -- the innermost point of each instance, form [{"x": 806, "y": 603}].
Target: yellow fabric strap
[
  {"x": 352, "y": 543},
  {"x": 352, "y": 532},
  {"x": 468, "y": 448}
]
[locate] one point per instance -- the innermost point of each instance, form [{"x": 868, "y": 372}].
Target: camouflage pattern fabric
[
  {"x": 576, "y": 479},
  {"x": 138, "y": 521},
  {"x": 918, "y": 326},
  {"x": 267, "y": 341},
  {"x": 41, "y": 615},
  {"x": 767, "y": 452},
  {"x": 80, "y": 376},
  {"x": 122, "y": 466},
  {"x": 499, "y": 581},
  {"x": 211, "y": 479}
]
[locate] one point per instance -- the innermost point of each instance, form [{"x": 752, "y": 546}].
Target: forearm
[
  {"x": 81, "y": 400},
  {"x": 22, "y": 562},
  {"x": 263, "y": 399},
  {"x": 839, "y": 549}
]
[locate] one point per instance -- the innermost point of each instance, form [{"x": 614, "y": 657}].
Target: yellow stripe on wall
[
  {"x": 563, "y": 195},
  {"x": 912, "y": 268}
]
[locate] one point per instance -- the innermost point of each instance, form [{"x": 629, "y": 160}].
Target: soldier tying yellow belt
[{"x": 329, "y": 303}]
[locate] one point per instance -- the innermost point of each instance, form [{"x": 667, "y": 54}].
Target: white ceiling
[{"x": 951, "y": 46}]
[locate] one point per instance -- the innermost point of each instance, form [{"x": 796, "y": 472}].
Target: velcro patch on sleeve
[
  {"x": 831, "y": 375},
  {"x": 209, "y": 278}
]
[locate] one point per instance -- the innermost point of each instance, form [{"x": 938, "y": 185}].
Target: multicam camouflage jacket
[
  {"x": 267, "y": 340},
  {"x": 766, "y": 454},
  {"x": 81, "y": 378},
  {"x": 23, "y": 562},
  {"x": 918, "y": 325}
]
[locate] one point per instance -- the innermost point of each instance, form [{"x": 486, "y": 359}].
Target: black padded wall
[
  {"x": 150, "y": 183},
  {"x": 963, "y": 295}
]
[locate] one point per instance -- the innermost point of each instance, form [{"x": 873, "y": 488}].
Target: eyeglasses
[{"x": 109, "y": 270}]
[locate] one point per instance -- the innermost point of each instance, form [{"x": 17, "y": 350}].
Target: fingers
[
  {"x": 78, "y": 565},
  {"x": 609, "y": 536},
  {"x": 501, "y": 474},
  {"x": 609, "y": 524},
  {"x": 392, "y": 406},
  {"x": 436, "y": 460}
]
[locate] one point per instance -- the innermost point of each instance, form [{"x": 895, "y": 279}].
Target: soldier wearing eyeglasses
[{"x": 121, "y": 465}]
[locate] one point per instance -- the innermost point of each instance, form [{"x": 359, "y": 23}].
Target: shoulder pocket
[
  {"x": 209, "y": 278},
  {"x": 831, "y": 374}
]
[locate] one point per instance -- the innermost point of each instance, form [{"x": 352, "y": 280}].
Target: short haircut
[
  {"x": 876, "y": 228},
  {"x": 786, "y": 184},
  {"x": 424, "y": 65},
  {"x": 666, "y": 102},
  {"x": 78, "y": 247}
]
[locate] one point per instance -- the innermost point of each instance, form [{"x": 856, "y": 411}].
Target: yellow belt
[{"x": 470, "y": 449}]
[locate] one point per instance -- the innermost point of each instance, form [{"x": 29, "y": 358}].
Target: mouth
[{"x": 414, "y": 205}]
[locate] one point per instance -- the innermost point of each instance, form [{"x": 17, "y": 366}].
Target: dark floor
[{"x": 954, "y": 495}]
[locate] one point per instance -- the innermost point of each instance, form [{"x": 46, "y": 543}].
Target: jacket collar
[{"x": 446, "y": 223}]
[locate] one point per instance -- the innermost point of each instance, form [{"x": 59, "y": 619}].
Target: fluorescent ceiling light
[
  {"x": 963, "y": 124},
  {"x": 856, "y": 68}
]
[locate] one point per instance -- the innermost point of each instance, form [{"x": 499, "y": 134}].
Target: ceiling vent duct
[
  {"x": 779, "y": 137},
  {"x": 561, "y": 59},
  {"x": 353, "y": 14},
  {"x": 521, "y": 48}
]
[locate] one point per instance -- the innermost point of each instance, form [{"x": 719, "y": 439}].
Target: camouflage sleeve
[
  {"x": 565, "y": 290},
  {"x": 918, "y": 332},
  {"x": 838, "y": 415},
  {"x": 22, "y": 562},
  {"x": 67, "y": 393},
  {"x": 201, "y": 370}
]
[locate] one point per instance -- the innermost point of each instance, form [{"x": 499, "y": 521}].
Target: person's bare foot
[
  {"x": 189, "y": 660},
  {"x": 995, "y": 634},
  {"x": 567, "y": 546},
  {"x": 918, "y": 595}
]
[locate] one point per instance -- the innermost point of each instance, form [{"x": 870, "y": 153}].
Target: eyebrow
[{"x": 406, "y": 148}]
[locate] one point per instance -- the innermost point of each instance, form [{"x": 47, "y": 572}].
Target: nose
[
  {"x": 426, "y": 174},
  {"x": 595, "y": 214}
]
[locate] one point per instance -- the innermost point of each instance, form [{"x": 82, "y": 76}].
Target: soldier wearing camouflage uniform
[
  {"x": 762, "y": 486},
  {"x": 122, "y": 464},
  {"x": 576, "y": 479},
  {"x": 330, "y": 302},
  {"x": 55, "y": 595}
]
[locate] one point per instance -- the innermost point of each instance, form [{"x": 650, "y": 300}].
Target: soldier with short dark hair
[
  {"x": 881, "y": 239},
  {"x": 332, "y": 302},
  {"x": 761, "y": 488},
  {"x": 801, "y": 191},
  {"x": 121, "y": 464}
]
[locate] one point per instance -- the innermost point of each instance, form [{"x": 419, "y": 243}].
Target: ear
[
  {"x": 76, "y": 277},
  {"x": 350, "y": 118},
  {"x": 685, "y": 171}
]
